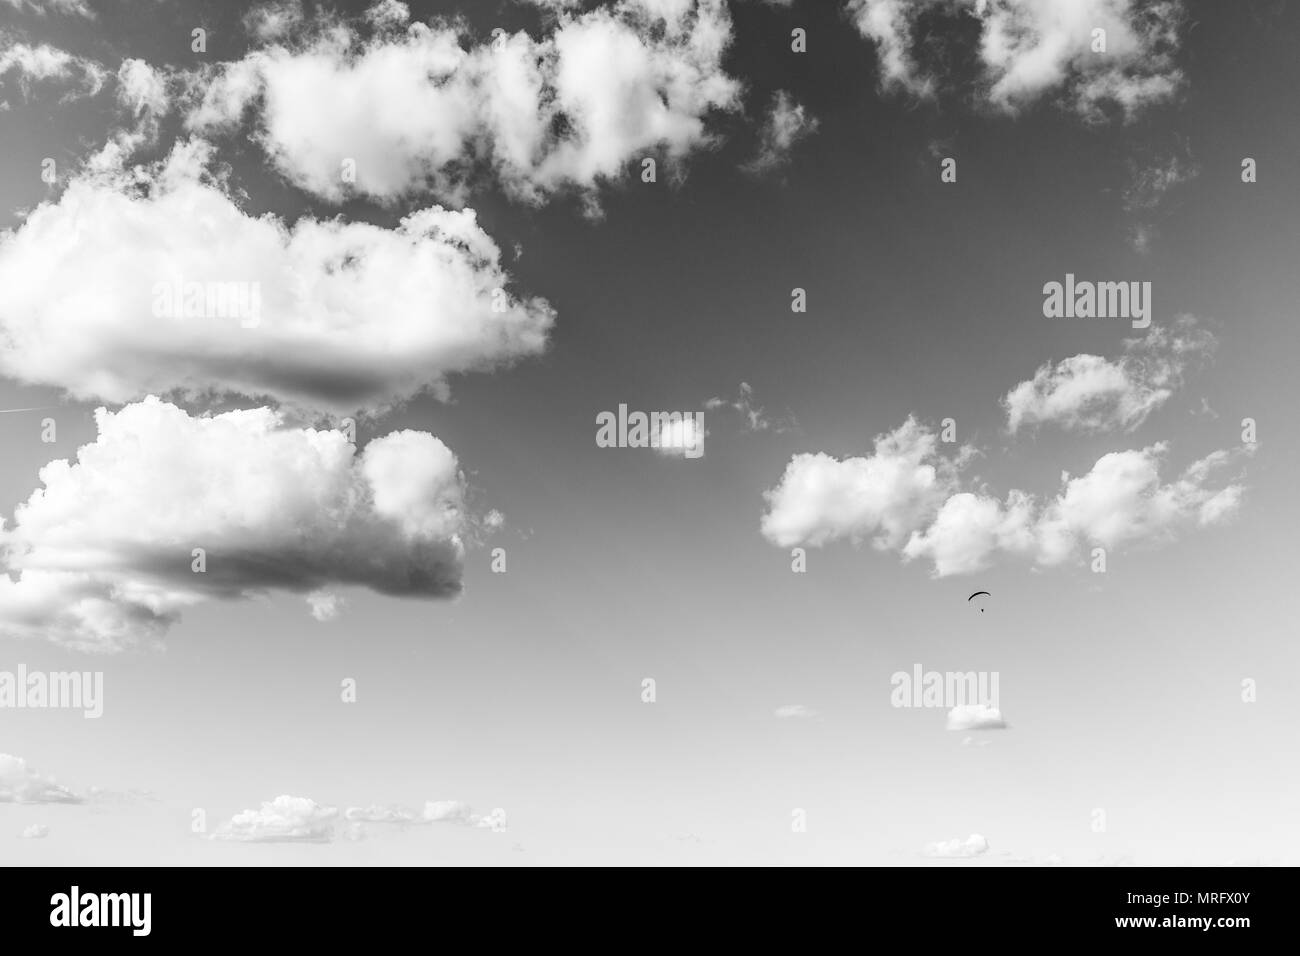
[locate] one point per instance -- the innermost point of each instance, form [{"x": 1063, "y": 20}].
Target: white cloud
[
  {"x": 111, "y": 293},
  {"x": 787, "y": 123},
  {"x": 975, "y": 717},
  {"x": 285, "y": 819},
  {"x": 753, "y": 417},
  {"x": 26, "y": 65},
  {"x": 447, "y": 811},
  {"x": 790, "y": 711},
  {"x": 20, "y": 784},
  {"x": 37, "y": 831},
  {"x": 1030, "y": 48},
  {"x": 496, "y": 820},
  {"x": 141, "y": 89},
  {"x": 422, "y": 106},
  {"x": 881, "y": 498},
  {"x": 681, "y": 437},
  {"x": 435, "y": 811},
  {"x": 273, "y": 20},
  {"x": 908, "y": 499},
  {"x": 888, "y": 24},
  {"x": 326, "y": 605},
  {"x": 1093, "y": 394},
  {"x": 42, "y": 7},
  {"x": 1122, "y": 500},
  {"x": 969, "y": 529},
  {"x": 104, "y": 549},
  {"x": 378, "y": 814},
  {"x": 955, "y": 849}
]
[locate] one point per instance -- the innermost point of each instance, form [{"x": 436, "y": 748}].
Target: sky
[{"x": 426, "y": 643}]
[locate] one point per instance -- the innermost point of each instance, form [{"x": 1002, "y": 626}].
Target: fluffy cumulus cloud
[
  {"x": 104, "y": 551},
  {"x": 1028, "y": 49},
  {"x": 149, "y": 280},
  {"x": 285, "y": 819},
  {"x": 1090, "y": 393},
  {"x": 880, "y": 498},
  {"x": 787, "y": 123},
  {"x": 975, "y": 717},
  {"x": 385, "y": 108},
  {"x": 681, "y": 437},
  {"x": 20, "y": 784},
  {"x": 37, "y": 831},
  {"x": 1123, "y": 501},
  {"x": 908, "y": 498},
  {"x": 957, "y": 849}
]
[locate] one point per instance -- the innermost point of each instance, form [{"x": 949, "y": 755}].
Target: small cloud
[
  {"x": 972, "y": 846},
  {"x": 496, "y": 820},
  {"x": 1150, "y": 182},
  {"x": 37, "y": 831},
  {"x": 377, "y": 814},
  {"x": 753, "y": 418},
  {"x": 787, "y": 123},
  {"x": 787, "y": 711},
  {"x": 1206, "y": 410},
  {"x": 325, "y": 604},
  {"x": 682, "y": 437},
  {"x": 975, "y": 717}
]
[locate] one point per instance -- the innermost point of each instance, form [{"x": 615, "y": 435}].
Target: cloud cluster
[
  {"x": 391, "y": 108},
  {"x": 955, "y": 849},
  {"x": 285, "y": 819},
  {"x": 150, "y": 280},
  {"x": 907, "y": 498},
  {"x": 1028, "y": 49},
  {"x": 289, "y": 819},
  {"x": 105, "y": 550},
  {"x": 1090, "y": 393},
  {"x": 21, "y": 784}
]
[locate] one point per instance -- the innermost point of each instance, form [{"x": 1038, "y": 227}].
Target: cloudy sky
[{"x": 366, "y": 584}]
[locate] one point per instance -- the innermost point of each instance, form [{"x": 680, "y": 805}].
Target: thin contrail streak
[{"x": 38, "y": 408}]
